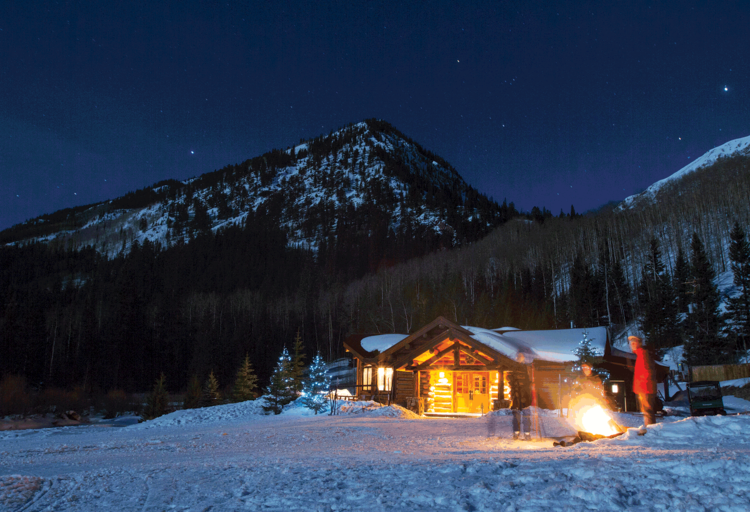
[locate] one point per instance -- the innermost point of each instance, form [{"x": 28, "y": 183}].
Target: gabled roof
[{"x": 550, "y": 345}]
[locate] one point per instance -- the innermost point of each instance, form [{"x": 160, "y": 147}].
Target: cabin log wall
[{"x": 403, "y": 382}]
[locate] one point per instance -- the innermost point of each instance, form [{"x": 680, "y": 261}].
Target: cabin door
[{"x": 472, "y": 392}]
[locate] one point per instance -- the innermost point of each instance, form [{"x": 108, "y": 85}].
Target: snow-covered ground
[{"x": 370, "y": 458}]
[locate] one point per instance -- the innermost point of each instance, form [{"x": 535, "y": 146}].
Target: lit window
[
  {"x": 385, "y": 377},
  {"x": 367, "y": 378}
]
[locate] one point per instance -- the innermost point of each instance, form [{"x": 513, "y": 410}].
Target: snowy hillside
[
  {"x": 359, "y": 176},
  {"x": 737, "y": 146}
]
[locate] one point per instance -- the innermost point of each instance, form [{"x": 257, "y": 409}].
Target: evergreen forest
[{"x": 73, "y": 317}]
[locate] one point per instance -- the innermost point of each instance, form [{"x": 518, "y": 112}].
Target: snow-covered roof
[
  {"x": 554, "y": 345},
  {"x": 381, "y": 342}
]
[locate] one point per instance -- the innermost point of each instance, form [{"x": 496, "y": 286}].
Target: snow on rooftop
[
  {"x": 381, "y": 342},
  {"x": 560, "y": 345},
  {"x": 552, "y": 345}
]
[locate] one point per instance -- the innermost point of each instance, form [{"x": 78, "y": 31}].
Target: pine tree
[
  {"x": 589, "y": 355},
  {"x": 157, "y": 403},
  {"x": 620, "y": 290},
  {"x": 245, "y": 383},
  {"x": 739, "y": 306},
  {"x": 585, "y": 352},
  {"x": 705, "y": 345},
  {"x": 658, "y": 321},
  {"x": 317, "y": 386},
  {"x": 280, "y": 390},
  {"x": 211, "y": 394},
  {"x": 194, "y": 394},
  {"x": 582, "y": 293},
  {"x": 297, "y": 371},
  {"x": 680, "y": 282}
]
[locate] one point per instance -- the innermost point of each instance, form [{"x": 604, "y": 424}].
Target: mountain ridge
[
  {"x": 312, "y": 188},
  {"x": 733, "y": 147}
]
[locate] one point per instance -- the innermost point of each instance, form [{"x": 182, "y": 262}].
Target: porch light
[{"x": 615, "y": 388}]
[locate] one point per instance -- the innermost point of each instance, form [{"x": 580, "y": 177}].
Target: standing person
[
  {"x": 520, "y": 397},
  {"x": 644, "y": 383}
]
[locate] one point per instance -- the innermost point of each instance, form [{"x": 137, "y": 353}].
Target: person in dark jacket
[
  {"x": 520, "y": 389},
  {"x": 644, "y": 381},
  {"x": 588, "y": 382}
]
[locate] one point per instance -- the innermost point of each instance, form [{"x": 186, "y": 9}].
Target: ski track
[{"x": 357, "y": 462}]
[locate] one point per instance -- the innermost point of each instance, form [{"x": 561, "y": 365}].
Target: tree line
[{"x": 75, "y": 318}]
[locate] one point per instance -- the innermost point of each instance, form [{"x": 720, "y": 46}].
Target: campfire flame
[
  {"x": 591, "y": 417},
  {"x": 595, "y": 420}
]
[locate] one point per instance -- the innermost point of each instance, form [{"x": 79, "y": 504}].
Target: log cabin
[{"x": 447, "y": 369}]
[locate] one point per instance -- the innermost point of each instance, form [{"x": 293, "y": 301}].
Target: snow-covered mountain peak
[
  {"x": 733, "y": 147},
  {"x": 364, "y": 176}
]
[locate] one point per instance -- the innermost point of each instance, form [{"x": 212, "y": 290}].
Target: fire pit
[{"x": 592, "y": 420}]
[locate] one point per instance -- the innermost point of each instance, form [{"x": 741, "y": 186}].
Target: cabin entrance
[{"x": 472, "y": 392}]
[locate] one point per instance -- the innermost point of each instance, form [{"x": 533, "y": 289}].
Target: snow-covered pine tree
[
  {"x": 280, "y": 390},
  {"x": 211, "y": 394},
  {"x": 317, "y": 385},
  {"x": 245, "y": 383},
  {"x": 157, "y": 402},
  {"x": 588, "y": 354},
  {"x": 194, "y": 394},
  {"x": 297, "y": 372},
  {"x": 585, "y": 352}
]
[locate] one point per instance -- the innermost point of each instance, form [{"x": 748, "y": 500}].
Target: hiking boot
[
  {"x": 527, "y": 436},
  {"x": 516, "y": 435}
]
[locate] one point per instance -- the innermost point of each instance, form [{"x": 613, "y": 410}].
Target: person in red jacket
[{"x": 644, "y": 382}]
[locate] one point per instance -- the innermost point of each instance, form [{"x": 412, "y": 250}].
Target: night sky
[{"x": 542, "y": 103}]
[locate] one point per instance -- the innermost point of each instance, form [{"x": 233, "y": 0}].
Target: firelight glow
[
  {"x": 595, "y": 420},
  {"x": 589, "y": 416}
]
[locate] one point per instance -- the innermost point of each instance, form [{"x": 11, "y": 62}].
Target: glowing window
[
  {"x": 480, "y": 384},
  {"x": 367, "y": 377},
  {"x": 385, "y": 377}
]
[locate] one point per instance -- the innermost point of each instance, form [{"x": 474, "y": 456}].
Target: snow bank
[
  {"x": 374, "y": 409},
  {"x": 205, "y": 415},
  {"x": 736, "y": 382},
  {"x": 244, "y": 411},
  {"x": 694, "y": 430},
  {"x": 393, "y": 411}
]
